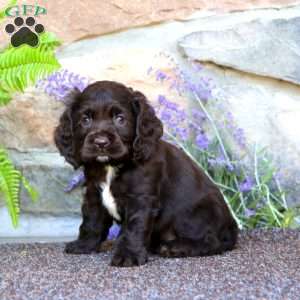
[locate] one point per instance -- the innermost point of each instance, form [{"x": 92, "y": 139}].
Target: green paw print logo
[{"x": 24, "y": 32}]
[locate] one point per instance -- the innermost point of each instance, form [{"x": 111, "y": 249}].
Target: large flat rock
[
  {"x": 28, "y": 121},
  {"x": 39, "y": 227},
  {"x": 264, "y": 265},
  {"x": 78, "y": 19},
  {"x": 267, "y": 46},
  {"x": 49, "y": 174}
]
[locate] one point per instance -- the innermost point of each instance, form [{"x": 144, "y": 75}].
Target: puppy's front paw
[
  {"x": 80, "y": 247},
  {"x": 128, "y": 259}
]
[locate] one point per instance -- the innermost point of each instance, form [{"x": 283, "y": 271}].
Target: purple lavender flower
[
  {"x": 160, "y": 76},
  {"x": 201, "y": 87},
  {"x": 76, "y": 180},
  {"x": 114, "y": 232},
  {"x": 181, "y": 115},
  {"x": 229, "y": 167},
  {"x": 162, "y": 100},
  {"x": 170, "y": 113},
  {"x": 202, "y": 141},
  {"x": 197, "y": 66},
  {"x": 150, "y": 69},
  {"x": 237, "y": 133},
  {"x": 60, "y": 83},
  {"x": 197, "y": 120},
  {"x": 229, "y": 119},
  {"x": 183, "y": 133},
  {"x": 239, "y": 136},
  {"x": 279, "y": 175},
  {"x": 177, "y": 86},
  {"x": 204, "y": 93},
  {"x": 220, "y": 161},
  {"x": 198, "y": 115},
  {"x": 166, "y": 116},
  {"x": 249, "y": 212},
  {"x": 246, "y": 185}
]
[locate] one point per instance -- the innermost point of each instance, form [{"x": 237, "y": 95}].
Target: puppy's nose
[{"x": 101, "y": 142}]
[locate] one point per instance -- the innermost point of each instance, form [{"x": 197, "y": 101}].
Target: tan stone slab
[
  {"x": 77, "y": 19},
  {"x": 28, "y": 121}
]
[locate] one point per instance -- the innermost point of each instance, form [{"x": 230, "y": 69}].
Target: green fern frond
[
  {"x": 10, "y": 181},
  {"x": 10, "y": 186},
  {"x": 23, "y": 66},
  {"x": 5, "y": 96},
  {"x": 20, "y": 67},
  {"x": 48, "y": 41},
  {"x": 30, "y": 190}
]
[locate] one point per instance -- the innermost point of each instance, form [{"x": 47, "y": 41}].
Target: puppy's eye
[
  {"x": 86, "y": 121},
  {"x": 119, "y": 119}
]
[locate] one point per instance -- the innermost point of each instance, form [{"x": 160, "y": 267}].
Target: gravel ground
[{"x": 264, "y": 265}]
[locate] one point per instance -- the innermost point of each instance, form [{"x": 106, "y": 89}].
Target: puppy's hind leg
[{"x": 209, "y": 244}]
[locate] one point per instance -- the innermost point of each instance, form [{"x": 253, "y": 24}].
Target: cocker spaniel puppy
[{"x": 163, "y": 201}]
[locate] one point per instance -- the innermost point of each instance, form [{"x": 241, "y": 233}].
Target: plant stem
[
  {"x": 255, "y": 166},
  {"x": 272, "y": 208},
  {"x": 281, "y": 193},
  {"x": 181, "y": 145},
  {"x": 221, "y": 144}
]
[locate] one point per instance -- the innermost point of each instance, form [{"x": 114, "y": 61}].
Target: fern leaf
[
  {"x": 20, "y": 67},
  {"x": 23, "y": 66},
  {"x": 5, "y": 96},
  {"x": 48, "y": 41},
  {"x": 10, "y": 180},
  {"x": 30, "y": 190},
  {"x": 10, "y": 186}
]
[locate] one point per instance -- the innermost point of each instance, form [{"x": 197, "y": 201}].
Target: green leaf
[
  {"x": 10, "y": 180},
  {"x": 31, "y": 191},
  {"x": 9, "y": 186},
  {"x": 48, "y": 41},
  {"x": 20, "y": 67},
  {"x": 5, "y": 96}
]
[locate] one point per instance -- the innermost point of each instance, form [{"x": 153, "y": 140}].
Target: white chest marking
[{"x": 107, "y": 198}]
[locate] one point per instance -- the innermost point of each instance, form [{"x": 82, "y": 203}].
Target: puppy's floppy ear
[
  {"x": 149, "y": 128},
  {"x": 63, "y": 134}
]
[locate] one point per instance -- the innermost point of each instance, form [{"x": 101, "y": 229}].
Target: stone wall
[{"x": 250, "y": 50}]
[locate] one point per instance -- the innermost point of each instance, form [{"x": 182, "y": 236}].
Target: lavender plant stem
[
  {"x": 238, "y": 221},
  {"x": 281, "y": 193},
  {"x": 191, "y": 156},
  {"x": 255, "y": 166},
  {"x": 221, "y": 144},
  {"x": 272, "y": 208}
]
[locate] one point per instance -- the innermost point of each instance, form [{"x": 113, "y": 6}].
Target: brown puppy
[{"x": 163, "y": 201}]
